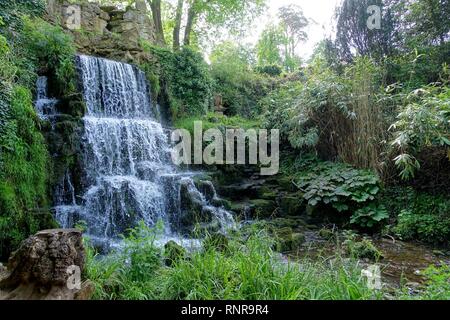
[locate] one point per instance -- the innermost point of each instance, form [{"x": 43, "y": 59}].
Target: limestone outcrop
[
  {"x": 105, "y": 31},
  {"x": 47, "y": 266}
]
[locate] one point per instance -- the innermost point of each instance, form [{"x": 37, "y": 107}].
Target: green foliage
[
  {"x": 337, "y": 185},
  {"x": 11, "y": 12},
  {"x": 247, "y": 270},
  {"x": 297, "y": 108},
  {"x": 278, "y": 42},
  {"x": 369, "y": 216},
  {"x": 360, "y": 248},
  {"x": 428, "y": 21},
  {"x": 23, "y": 178},
  {"x": 437, "y": 284},
  {"x": 24, "y": 159},
  {"x": 239, "y": 87},
  {"x": 186, "y": 75},
  {"x": 420, "y": 215},
  {"x": 354, "y": 38},
  {"x": 427, "y": 227},
  {"x": 423, "y": 121},
  {"x": 213, "y": 120},
  {"x": 50, "y": 47}
]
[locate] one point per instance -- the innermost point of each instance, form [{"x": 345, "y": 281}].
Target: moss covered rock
[
  {"x": 262, "y": 208},
  {"x": 291, "y": 205},
  {"x": 287, "y": 240},
  {"x": 173, "y": 252}
]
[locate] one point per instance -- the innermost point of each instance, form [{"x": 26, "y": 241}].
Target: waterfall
[
  {"x": 128, "y": 173},
  {"x": 45, "y": 106}
]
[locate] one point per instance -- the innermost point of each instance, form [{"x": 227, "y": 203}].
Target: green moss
[
  {"x": 173, "y": 252},
  {"x": 263, "y": 208}
]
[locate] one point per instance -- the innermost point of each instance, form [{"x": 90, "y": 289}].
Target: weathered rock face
[
  {"x": 105, "y": 30},
  {"x": 46, "y": 266}
]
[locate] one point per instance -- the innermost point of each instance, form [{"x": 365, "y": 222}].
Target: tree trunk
[
  {"x": 156, "y": 15},
  {"x": 190, "y": 23},
  {"x": 176, "y": 30}
]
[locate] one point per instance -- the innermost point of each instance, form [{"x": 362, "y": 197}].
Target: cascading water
[
  {"x": 128, "y": 173},
  {"x": 45, "y": 106}
]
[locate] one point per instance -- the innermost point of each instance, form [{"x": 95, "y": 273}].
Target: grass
[{"x": 247, "y": 270}]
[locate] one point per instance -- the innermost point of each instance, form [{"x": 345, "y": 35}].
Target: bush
[
  {"x": 419, "y": 215},
  {"x": 425, "y": 227},
  {"x": 50, "y": 48},
  {"x": 11, "y": 12},
  {"x": 185, "y": 76},
  {"x": 423, "y": 121},
  {"x": 337, "y": 185},
  {"x": 238, "y": 85},
  {"x": 369, "y": 216}
]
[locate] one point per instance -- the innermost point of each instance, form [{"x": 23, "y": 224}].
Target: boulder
[
  {"x": 262, "y": 208},
  {"x": 287, "y": 240},
  {"x": 291, "y": 205},
  {"x": 192, "y": 203},
  {"x": 173, "y": 252},
  {"x": 207, "y": 189},
  {"x": 47, "y": 266}
]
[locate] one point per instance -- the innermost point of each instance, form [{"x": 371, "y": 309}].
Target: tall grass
[{"x": 247, "y": 270}]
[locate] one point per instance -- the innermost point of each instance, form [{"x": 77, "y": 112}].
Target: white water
[
  {"x": 45, "y": 106},
  {"x": 128, "y": 173}
]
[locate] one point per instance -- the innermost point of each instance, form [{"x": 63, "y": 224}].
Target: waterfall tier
[{"x": 128, "y": 174}]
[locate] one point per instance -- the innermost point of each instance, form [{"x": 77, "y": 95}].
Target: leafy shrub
[
  {"x": 436, "y": 287},
  {"x": 338, "y": 185},
  {"x": 11, "y": 12},
  {"x": 271, "y": 70},
  {"x": 186, "y": 77},
  {"x": 420, "y": 215},
  {"x": 423, "y": 121},
  {"x": 238, "y": 85},
  {"x": 426, "y": 227},
  {"x": 50, "y": 47},
  {"x": 360, "y": 248},
  {"x": 369, "y": 216}
]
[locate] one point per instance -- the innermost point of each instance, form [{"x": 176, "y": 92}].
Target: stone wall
[{"x": 105, "y": 31}]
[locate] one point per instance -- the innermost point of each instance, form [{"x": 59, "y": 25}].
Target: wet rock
[
  {"x": 297, "y": 240},
  {"x": 201, "y": 230},
  {"x": 262, "y": 208},
  {"x": 192, "y": 204},
  {"x": 173, "y": 252},
  {"x": 326, "y": 234},
  {"x": 291, "y": 205},
  {"x": 287, "y": 240},
  {"x": 207, "y": 189},
  {"x": 44, "y": 265}
]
